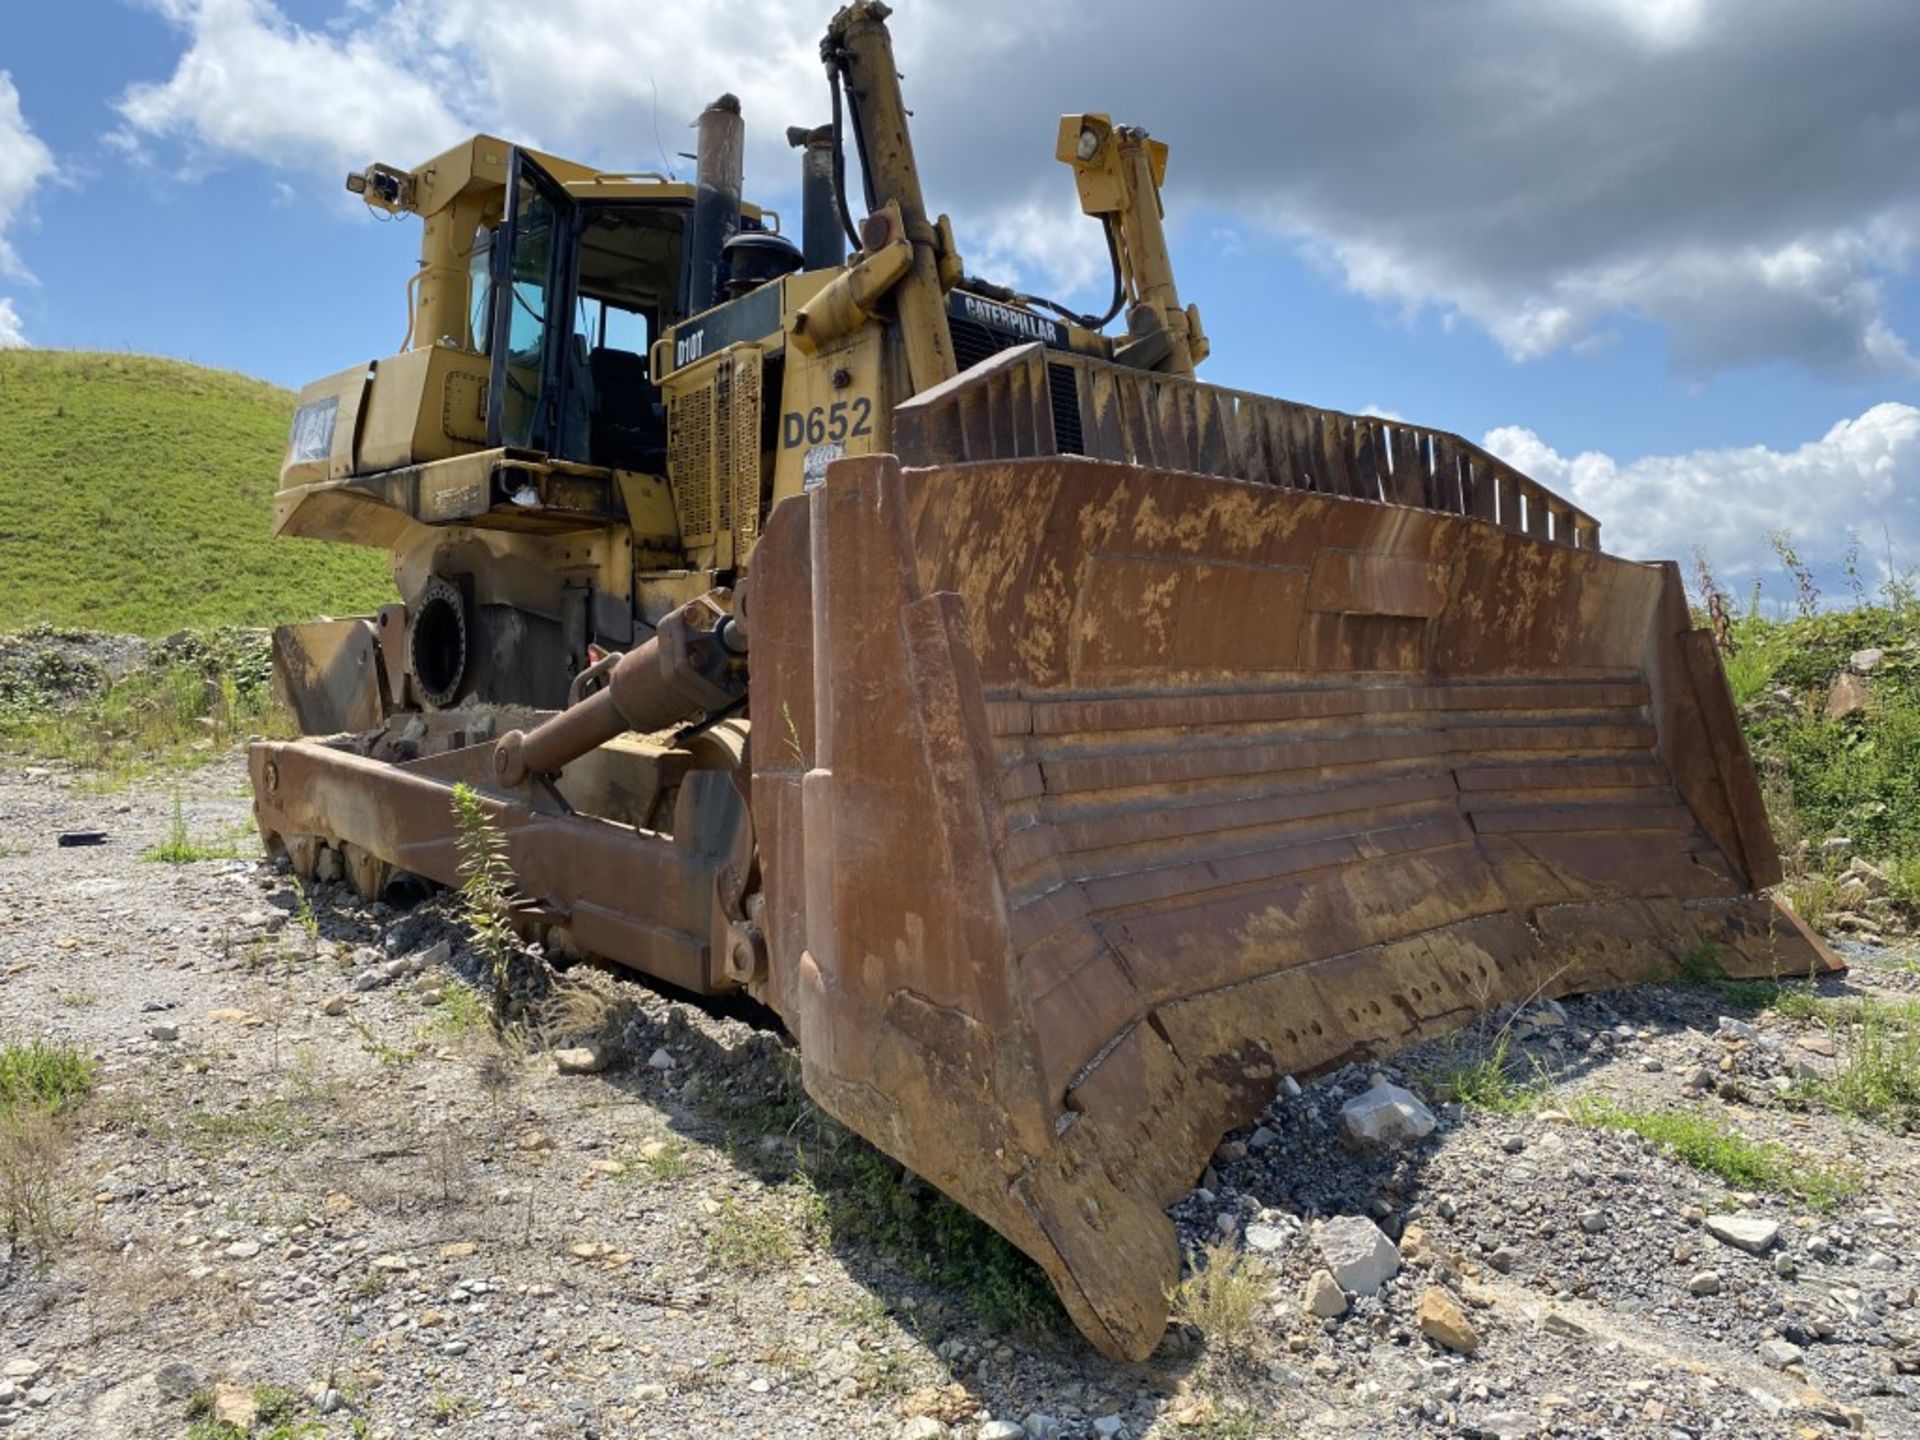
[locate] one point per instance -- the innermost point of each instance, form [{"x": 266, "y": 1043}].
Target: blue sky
[{"x": 1655, "y": 250}]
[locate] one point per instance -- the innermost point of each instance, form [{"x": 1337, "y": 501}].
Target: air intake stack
[{"x": 823, "y": 237}]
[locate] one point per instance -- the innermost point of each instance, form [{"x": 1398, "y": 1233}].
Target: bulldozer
[{"x": 1066, "y": 750}]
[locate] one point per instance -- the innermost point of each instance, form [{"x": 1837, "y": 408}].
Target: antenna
[{"x": 657, "y": 144}]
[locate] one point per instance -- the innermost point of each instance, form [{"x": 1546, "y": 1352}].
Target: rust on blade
[{"x": 1112, "y": 795}]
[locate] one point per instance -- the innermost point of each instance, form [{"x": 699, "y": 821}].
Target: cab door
[{"x": 534, "y": 264}]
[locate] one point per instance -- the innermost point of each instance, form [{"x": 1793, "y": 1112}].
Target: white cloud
[
  {"x": 1858, "y": 483},
  {"x": 12, "y": 337},
  {"x": 253, "y": 84},
  {"x": 1740, "y": 172},
  {"x": 24, "y": 162}
]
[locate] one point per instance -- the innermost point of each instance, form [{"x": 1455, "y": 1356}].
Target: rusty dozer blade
[{"x": 1094, "y": 799}]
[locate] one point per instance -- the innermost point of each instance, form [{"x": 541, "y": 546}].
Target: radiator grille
[
  {"x": 690, "y": 463},
  {"x": 974, "y": 342},
  {"x": 741, "y": 465}
]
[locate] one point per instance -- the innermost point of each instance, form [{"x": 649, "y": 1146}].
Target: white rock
[
  {"x": 437, "y": 953},
  {"x": 1781, "y": 1353},
  {"x": 9, "y": 1393},
  {"x": 1731, "y": 1028},
  {"x": 1707, "y": 1282},
  {"x": 661, "y": 1059},
  {"x": 1865, "y": 662},
  {"x": 1750, "y": 1233},
  {"x": 1266, "y": 1238},
  {"x": 1358, "y": 1253},
  {"x": 1871, "y": 879},
  {"x": 1000, "y": 1430},
  {"x": 1508, "y": 1424},
  {"x": 1041, "y": 1426},
  {"x": 21, "y": 1368},
  {"x": 164, "y": 1032},
  {"x": 1385, "y": 1115},
  {"x": 243, "y": 1249},
  {"x": 924, "y": 1427},
  {"x": 579, "y": 1060},
  {"x": 1109, "y": 1427}
]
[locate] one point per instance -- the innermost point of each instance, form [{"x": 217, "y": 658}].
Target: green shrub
[{"x": 44, "y": 1074}]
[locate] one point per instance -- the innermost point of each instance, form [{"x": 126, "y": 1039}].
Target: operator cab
[{"x": 568, "y": 296}]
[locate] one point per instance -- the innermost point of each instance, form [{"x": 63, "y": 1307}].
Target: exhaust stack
[
  {"x": 823, "y": 236},
  {"x": 719, "y": 176}
]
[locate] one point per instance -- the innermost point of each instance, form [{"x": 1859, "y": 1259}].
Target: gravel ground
[{"x": 310, "y": 1165}]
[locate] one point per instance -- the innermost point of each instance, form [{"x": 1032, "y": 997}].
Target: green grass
[
  {"x": 1751, "y": 669},
  {"x": 42, "y": 1074},
  {"x": 138, "y": 496},
  {"x": 180, "y": 848},
  {"x": 668, "y": 1163},
  {"x": 1880, "y": 1078},
  {"x": 1224, "y": 1298},
  {"x": 1486, "y": 1079},
  {"x": 864, "y": 1197},
  {"x": 1703, "y": 1141},
  {"x": 276, "y": 1417},
  {"x": 851, "y": 1194},
  {"x": 460, "y": 1012},
  {"x": 752, "y": 1239},
  {"x": 39, "y": 1080}
]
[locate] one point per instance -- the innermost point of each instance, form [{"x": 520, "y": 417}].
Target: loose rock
[
  {"x": 1323, "y": 1298},
  {"x": 1445, "y": 1323},
  {"x": 579, "y": 1060},
  {"x": 233, "y": 1405},
  {"x": 1358, "y": 1253},
  {"x": 1385, "y": 1116},
  {"x": 1781, "y": 1353},
  {"x": 1750, "y": 1233}
]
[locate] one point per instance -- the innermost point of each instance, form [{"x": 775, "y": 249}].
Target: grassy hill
[{"x": 134, "y": 497}]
